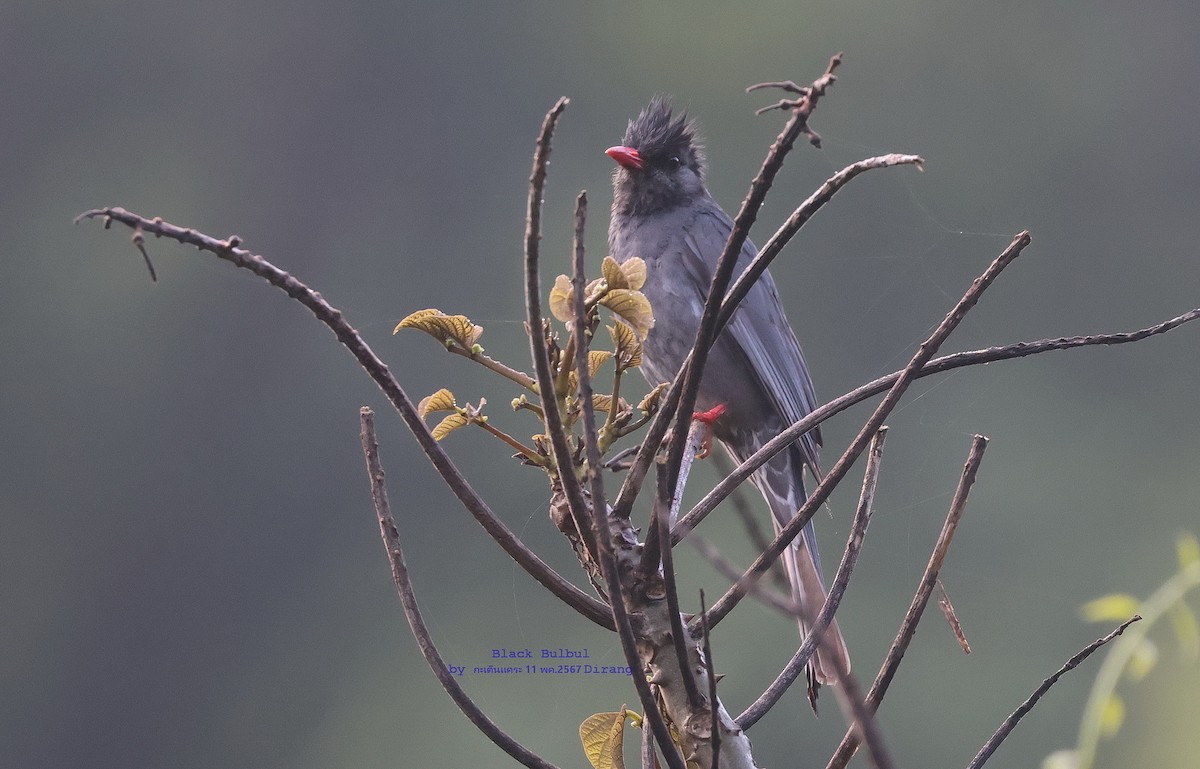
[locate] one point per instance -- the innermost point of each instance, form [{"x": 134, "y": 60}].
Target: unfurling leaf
[
  {"x": 1115, "y": 607},
  {"x": 602, "y": 735},
  {"x": 632, "y": 307},
  {"x": 601, "y": 402},
  {"x": 596, "y": 359},
  {"x": 1188, "y": 550},
  {"x": 1187, "y": 630},
  {"x": 628, "y": 348},
  {"x": 1144, "y": 657},
  {"x": 1112, "y": 716},
  {"x": 449, "y": 425},
  {"x": 649, "y": 404},
  {"x": 631, "y": 274},
  {"x": 562, "y": 299},
  {"x": 450, "y": 330},
  {"x": 442, "y": 400}
]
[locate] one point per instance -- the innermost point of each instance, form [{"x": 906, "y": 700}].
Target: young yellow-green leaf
[
  {"x": 602, "y": 735},
  {"x": 1061, "y": 759},
  {"x": 562, "y": 299},
  {"x": 628, "y": 348},
  {"x": 1112, "y": 716},
  {"x": 631, "y": 274},
  {"x": 632, "y": 307},
  {"x": 1188, "y": 550},
  {"x": 442, "y": 400},
  {"x": 1145, "y": 656},
  {"x": 447, "y": 329},
  {"x": 449, "y": 425},
  {"x": 1115, "y": 607},
  {"x": 650, "y": 402},
  {"x": 1187, "y": 631},
  {"x": 612, "y": 273},
  {"x": 634, "y": 270},
  {"x": 596, "y": 359}
]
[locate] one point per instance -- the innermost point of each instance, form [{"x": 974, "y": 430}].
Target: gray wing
[{"x": 761, "y": 330}]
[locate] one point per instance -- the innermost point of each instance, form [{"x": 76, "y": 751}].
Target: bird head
[{"x": 660, "y": 162}]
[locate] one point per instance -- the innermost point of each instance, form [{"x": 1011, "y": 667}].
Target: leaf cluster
[{"x": 618, "y": 291}]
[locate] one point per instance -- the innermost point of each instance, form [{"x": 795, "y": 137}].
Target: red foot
[{"x": 707, "y": 418}]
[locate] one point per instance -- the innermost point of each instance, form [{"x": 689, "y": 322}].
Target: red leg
[{"x": 707, "y": 418}]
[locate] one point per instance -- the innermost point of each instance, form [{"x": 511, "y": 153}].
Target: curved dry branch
[
  {"x": 790, "y": 531},
  {"x": 887, "y": 671},
  {"x": 758, "y": 265},
  {"x": 537, "y": 338},
  {"x": 837, "y": 588},
  {"x": 1010, "y": 723},
  {"x": 231, "y": 251},
  {"x": 408, "y": 599},
  {"x": 882, "y": 384}
]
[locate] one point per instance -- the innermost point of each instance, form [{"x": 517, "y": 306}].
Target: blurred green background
[{"x": 190, "y": 571}]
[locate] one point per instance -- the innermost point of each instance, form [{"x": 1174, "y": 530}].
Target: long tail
[{"x": 781, "y": 482}]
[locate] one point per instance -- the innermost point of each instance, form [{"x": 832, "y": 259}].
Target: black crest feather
[{"x": 657, "y": 133}]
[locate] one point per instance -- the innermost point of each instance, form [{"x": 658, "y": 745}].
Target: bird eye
[{"x": 675, "y": 162}]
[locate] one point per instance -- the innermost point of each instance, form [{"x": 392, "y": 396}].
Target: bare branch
[
  {"x": 679, "y": 636},
  {"x": 537, "y": 340},
  {"x": 712, "y": 690},
  {"x": 865, "y": 435},
  {"x": 231, "y": 251},
  {"x": 858, "y": 530},
  {"x": 599, "y": 519},
  {"x": 391, "y": 540},
  {"x": 882, "y": 384},
  {"x": 1010, "y": 723},
  {"x": 883, "y": 679}
]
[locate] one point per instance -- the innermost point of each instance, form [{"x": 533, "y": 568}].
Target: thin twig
[
  {"x": 882, "y": 384},
  {"x": 793, "y": 527},
  {"x": 1010, "y": 723},
  {"x": 824, "y": 617},
  {"x": 709, "y": 669},
  {"x": 823, "y": 194},
  {"x": 537, "y": 339},
  {"x": 681, "y": 398},
  {"x": 785, "y": 605},
  {"x": 598, "y": 523},
  {"x": 408, "y": 599},
  {"x": 679, "y": 636},
  {"x": 230, "y": 251},
  {"x": 887, "y": 671}
]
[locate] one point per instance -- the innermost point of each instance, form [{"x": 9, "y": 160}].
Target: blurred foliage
[{"x": 1134, "y": 655}]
